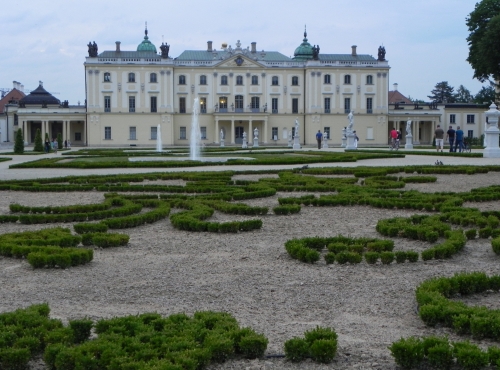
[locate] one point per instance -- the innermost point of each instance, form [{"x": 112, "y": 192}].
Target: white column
[
  {"x": 232, "y": 130},
  {"x": 265, "y": 131},
  {"x": 216, "y": 130}
]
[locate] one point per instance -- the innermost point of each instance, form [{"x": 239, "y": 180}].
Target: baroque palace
[
  {"x": 130, "y": 93},
  {"x": 132, "y": 96}
]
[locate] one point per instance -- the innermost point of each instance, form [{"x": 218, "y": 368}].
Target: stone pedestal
[
  {"x": 409, "y": 142},
  {"x": 221, "y": 143},
  {"x": 255, "y": 142},
  {"x": 351, "y": 142},
  {"x": 325, "y": 142},
  {"x": 290, "y": 141},
  {"x": 344, "y": 138},
  {"x": 492, "y": 133},
  {"x": 296, "y": 142},
  {"x": 244, "y": 145}
]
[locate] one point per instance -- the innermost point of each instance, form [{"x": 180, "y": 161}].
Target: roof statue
[
  {"x": 164, "y": 50},
  {"x": 92, "y": 49},
  {"x": 315, "y": 50},
  {"x": 381, "y": 53}
]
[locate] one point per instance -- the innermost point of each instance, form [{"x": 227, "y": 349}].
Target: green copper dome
[
  {"x": 146, "y": 45},
  {"x": 304, "y": 51}
]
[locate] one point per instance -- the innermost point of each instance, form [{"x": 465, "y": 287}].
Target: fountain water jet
[
  {"x": 194, "y": 145},
  {"x": 158, "y": 139}
]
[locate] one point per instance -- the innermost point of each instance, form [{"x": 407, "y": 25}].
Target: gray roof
[
  {"x": 347, "y": 58},
  {"x": 128, "y": 54},
  {"x": 270, "y": 56}
]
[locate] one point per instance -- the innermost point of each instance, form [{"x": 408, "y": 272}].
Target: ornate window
[
  {"x": 327, "y": 105},
  {"x": 223, "y": 104},
  {"x": 347, "y": 105},
  {"x": 203, "y": 80},
  {"x": 255, "y": 80},
  {"x": 107, "y": 77},
  {"x": 369, "y": 105},
  {"x": 369, "y": 80},
  {"x": 295, "y": 81},
  {"x": 238, "y": 102},
  {"x": 153, "y": 101},
  {"x": 131, "y": 77},
  {"x": 153, "y": 78},
  {"x": 255, "y": 103},
  {"x": 107, "y": 103},
  {"x": 327, "y": 79},
  {"x": 347, "y": 79},
  {"x": 239, "y": 80},
  {"x": 107, "y": 133},
  {"x": 223, "y": 80},
  {"x": 182, "y": 105},
  {"x": 275, "y": 81},
  {"x": 182, "y": 80},
  {"x": 131, "y": 104}
]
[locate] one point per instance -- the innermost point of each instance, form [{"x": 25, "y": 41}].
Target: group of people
[
  {"x": 53, "y": 145},
  {"x": 454, "y": 137},
  {"x": 319, "y": 138}
]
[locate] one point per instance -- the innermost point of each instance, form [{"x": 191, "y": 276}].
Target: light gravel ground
[{"x": 251, "y": 276}]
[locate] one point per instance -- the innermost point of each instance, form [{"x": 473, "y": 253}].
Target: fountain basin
[{"x": 201, "y": 159}]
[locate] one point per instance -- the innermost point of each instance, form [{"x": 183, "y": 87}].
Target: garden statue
[
  {"x": 408, "y": 127},
  {"x": 297, "y": 127},
  {"x": 350, "y": 118}
]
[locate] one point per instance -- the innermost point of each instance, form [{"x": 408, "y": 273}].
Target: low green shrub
[
  {"x": 412, "y": 256},
  {"x": 470, "y": 356},
  {"x": 81, "y": 329},
  {"x": 287, "y": 209},
  {"x": 471, "y": 234},
  {"x": 253, "y": 345},
  {"x": 83, "y": 228},
  {"x": 323, "y": 350},
  {"x": 329, "y": 258},
  {"x": 371, "y": 257},
  {"x": 387, "y": 257},
  {"x": 296, "y": 349},
  {"x": 495, "y": 245},
  {"x": 408, "y": 353},
  {"x": 401, "y": 256}
]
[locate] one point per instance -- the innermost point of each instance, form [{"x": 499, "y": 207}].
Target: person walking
[
  {"x": 450, "y": 136},
  {"x": 439, "y": 134},
  {"x": 319, "y": 137},
  {"x": 459, "y": 139},
  {"x": 393, "y": 136}
]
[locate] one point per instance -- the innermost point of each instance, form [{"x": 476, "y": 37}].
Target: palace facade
[{"x": 130, "y": 94}]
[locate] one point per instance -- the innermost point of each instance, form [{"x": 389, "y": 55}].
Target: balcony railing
[
  {"x": 107, "y": 110},
  {"x": 203, "y": 110},
  {"x": 275, "y": 111},
  {"x": 347, "y": 111},
  {"x": 327, "y": 110},
  {"x": 369, "y": 111},
  {"x": 131, "y": 110}
]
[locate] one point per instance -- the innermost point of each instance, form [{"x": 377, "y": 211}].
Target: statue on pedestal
[
  {"x": 350, "y": 118},
  {"x": 256, "y": 133},
  {"x": 92, "y": 49},
  {"x": 164, "y": 50},
  {"x": 408, "y": 127},
  {"x": 221, "y": 135},
  {"x": 297, "y": 127}
]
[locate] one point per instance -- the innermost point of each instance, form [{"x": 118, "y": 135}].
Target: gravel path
[{"x": 251, "y": 276}]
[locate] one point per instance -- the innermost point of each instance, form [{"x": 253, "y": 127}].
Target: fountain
[
  {"x": 194, "y": 145},
  {"x": 158, "y": 139}
]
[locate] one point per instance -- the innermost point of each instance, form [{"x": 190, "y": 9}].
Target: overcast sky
[{"x": 425, "y": 40}]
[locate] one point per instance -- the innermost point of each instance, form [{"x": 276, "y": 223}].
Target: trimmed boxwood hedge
[
  {"x": 435, "y": 307},
  {"x": 146, "y": 341}
]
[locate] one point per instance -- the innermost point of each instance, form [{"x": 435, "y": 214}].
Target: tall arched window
[
  {"x": 238, "y": 103},
  {"x": 223, "y": 80},
  {"x": 275, "y": 81},
  {"x": 255, "y": 80},
  {"x": 369, "y": 80},
  {"x": 347, "y": 79},
  {"x": 295, "y": 81},
  {"x": 107, "y": 77},
  {"x": 203, "y": 80},
  {"x": 223, "y": 102},
  {"x": 239, "y": 80},
  {"x": 327, "y": 79},
  {"x": 255, "y": 103},
  {"x": 153, "y": 78},
  {"x": 131, "y": 77}
]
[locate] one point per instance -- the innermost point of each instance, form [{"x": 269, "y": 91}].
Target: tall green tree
[
  {"x": 442, "y": 93},
  {"x": 19, "y": 143},
  {"x": 484, "y": 40},
  {"x": 485, "y": 95},
  {"x": 38, "y": 141},
  {"x": 463, "y": 95}
]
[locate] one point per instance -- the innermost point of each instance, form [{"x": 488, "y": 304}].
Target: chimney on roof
[
  {"x": 21, "y": 88},
  {"x": 254, "y": 47},
  {"x": 395, "y": 87},
  {"x": 14, "y": 84},
  {"x": 117, "y": 46},
  {"x": 209, "y": 45},
  {"x": 354, "y": 50}
]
